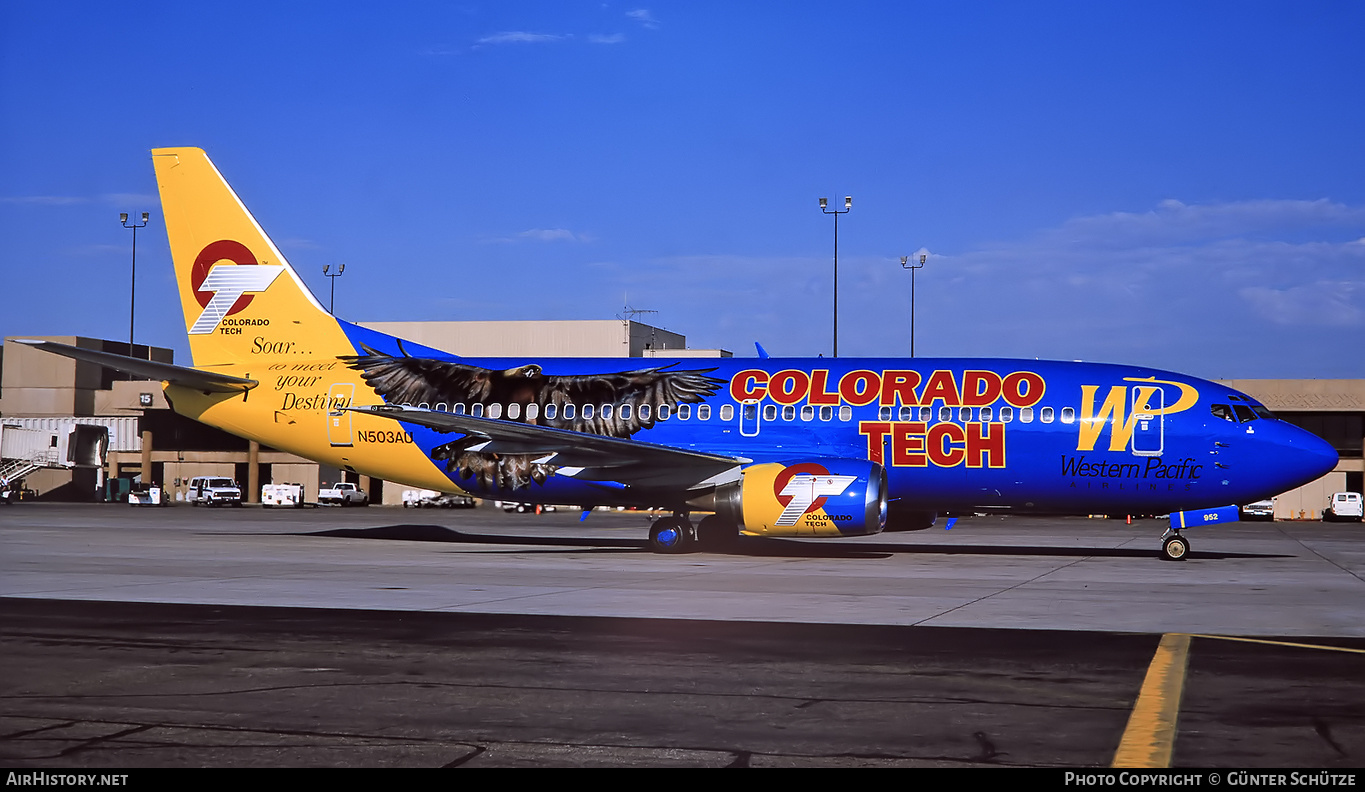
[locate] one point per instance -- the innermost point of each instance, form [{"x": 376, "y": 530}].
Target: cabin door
[
  {"x": 338, "y": 419},
  {"x": 1149, "y": 420}
]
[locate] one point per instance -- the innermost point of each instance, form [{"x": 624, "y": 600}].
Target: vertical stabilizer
[{"x": 242, "y": 300}]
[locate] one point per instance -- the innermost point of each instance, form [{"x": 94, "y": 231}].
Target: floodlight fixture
[
  {"x": 912, "y": 266},
  {"x": 824, "y": 207},
  {"x": 132, "y": 290},
  {"x": 332, "y": 276}
]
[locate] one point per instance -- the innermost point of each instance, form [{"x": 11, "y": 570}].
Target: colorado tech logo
[
  {"x": 226, "y": 289},
  {"x": 802, "y": 489}
]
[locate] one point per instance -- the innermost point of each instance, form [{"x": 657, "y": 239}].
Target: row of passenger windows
[
  {"x": 983, "y": 414},
  {"x": 587, "y": 412},
  {"x": 906, "y": 413},
  {"x": 684, "y": 412}
]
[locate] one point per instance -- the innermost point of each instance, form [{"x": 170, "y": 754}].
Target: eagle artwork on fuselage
[
  {"x": 617, "y": 404},
  {"x": 765, "y": 447}
]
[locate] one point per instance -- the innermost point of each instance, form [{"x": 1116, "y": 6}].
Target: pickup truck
[
  {"x": 1260, "y": 510},
  {"x": 343, "y": 494}
]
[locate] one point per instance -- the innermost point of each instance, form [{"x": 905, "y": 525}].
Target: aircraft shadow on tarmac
[
  {"x": 750, "y": 546},
  {"x": 437, "y": 533}
]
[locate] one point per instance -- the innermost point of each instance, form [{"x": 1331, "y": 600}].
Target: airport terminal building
[{"x": 148, "y": 441}]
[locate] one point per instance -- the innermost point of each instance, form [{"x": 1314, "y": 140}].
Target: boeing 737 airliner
[{"x": 766, "y": 447}]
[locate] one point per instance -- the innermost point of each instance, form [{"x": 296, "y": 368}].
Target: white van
[
  {"x": 1343, "y": 506},
  {"x": 214, "y": 491}
]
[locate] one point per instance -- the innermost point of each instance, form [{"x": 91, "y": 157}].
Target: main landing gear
[
  {"x": 670, "y": 534},
  {"x": 676, "y": 534},
  {"x": 1174, "y": 546}
]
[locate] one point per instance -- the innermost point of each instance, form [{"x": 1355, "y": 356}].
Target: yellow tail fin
[{"x": 242, "y": 300}]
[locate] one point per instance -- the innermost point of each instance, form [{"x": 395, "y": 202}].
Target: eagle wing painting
[{"x": 616, "y": 400}]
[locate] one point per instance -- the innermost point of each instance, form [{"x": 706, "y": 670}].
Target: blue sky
[{"x": 1179, "y": 185}]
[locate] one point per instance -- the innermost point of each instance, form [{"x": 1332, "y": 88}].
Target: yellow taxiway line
[{"x": 1149, "y": 739}]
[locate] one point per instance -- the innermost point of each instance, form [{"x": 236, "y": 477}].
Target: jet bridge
[{"x": 62, "y": 444}]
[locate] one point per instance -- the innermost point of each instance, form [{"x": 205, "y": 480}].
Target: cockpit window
[
  {"x": 1258, "y": 410},
  {"x": 1239, "y": 413}
]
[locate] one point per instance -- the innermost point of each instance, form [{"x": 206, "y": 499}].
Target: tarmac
[
  {"x": 1249, "y": 579},
  {"x": 144, "y": 637}
]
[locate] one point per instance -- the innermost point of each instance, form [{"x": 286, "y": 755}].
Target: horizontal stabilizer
[{"x": 206, "y": 381}]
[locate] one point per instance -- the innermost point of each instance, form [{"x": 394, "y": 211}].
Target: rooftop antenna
[{"x": 629, "y": 315}]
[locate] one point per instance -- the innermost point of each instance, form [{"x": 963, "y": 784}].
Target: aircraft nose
[{"x": 1308, "y": 456}]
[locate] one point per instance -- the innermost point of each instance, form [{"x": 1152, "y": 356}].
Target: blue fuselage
[{"x": 955, "y": 434}]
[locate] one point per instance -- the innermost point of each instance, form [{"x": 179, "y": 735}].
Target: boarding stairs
[
  {"x": 12, "y": 470},
  {"x": 49, "y": 443}
]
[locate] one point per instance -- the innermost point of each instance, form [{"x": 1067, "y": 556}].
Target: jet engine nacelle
[{"x": 825, "y": 497}]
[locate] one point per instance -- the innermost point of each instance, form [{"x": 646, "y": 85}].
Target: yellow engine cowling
[{"x": 825, "y": 497}]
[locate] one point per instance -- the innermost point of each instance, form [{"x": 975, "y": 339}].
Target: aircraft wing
[
  {"x": 583, "y": 456},
  {"x": 185, "y": 376}
]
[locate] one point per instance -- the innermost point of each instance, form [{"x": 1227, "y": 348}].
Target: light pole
[
  {"x": 132, "y": 291},
  {"x": 912, "y": 266},
  {"x": 332, "y": 276},
  {"x": 824, "y": 207}
]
